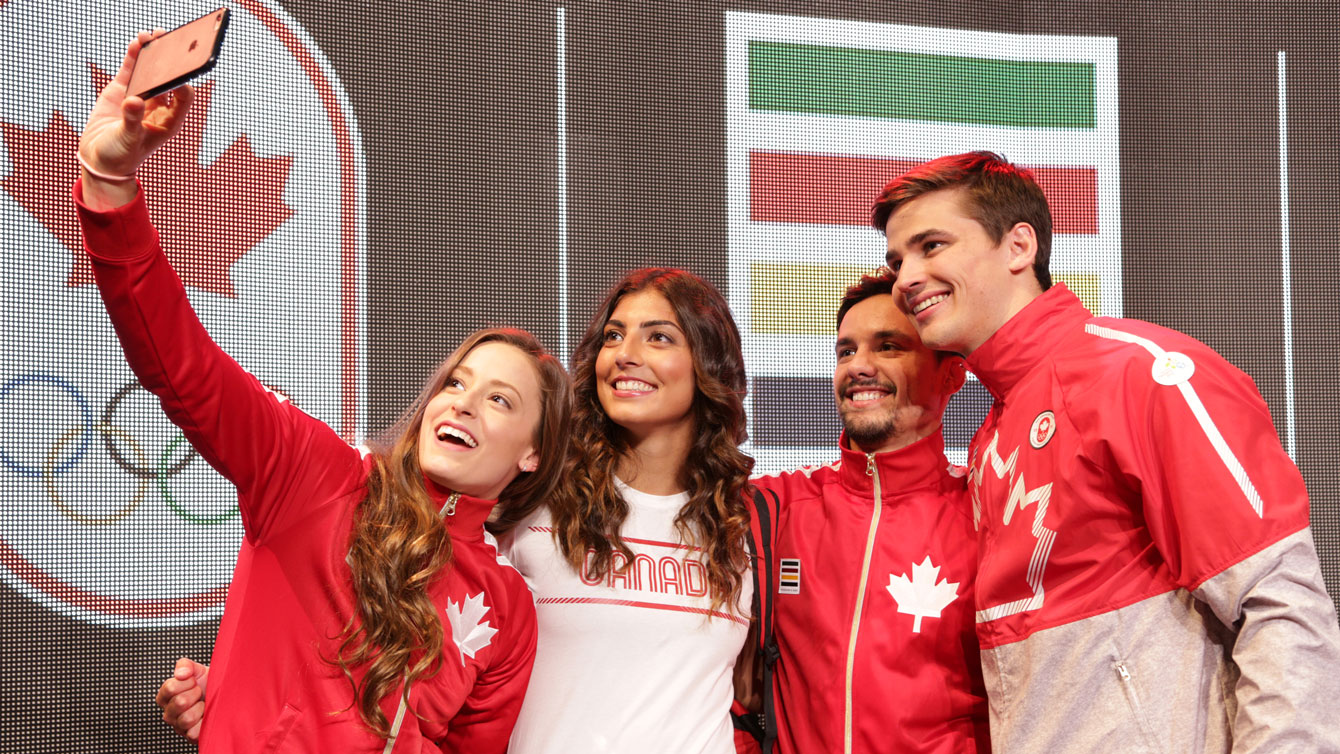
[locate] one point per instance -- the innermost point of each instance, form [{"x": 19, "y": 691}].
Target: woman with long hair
[
  {"x": 639, "y": 563},
  {"x": 369, "y": 610}
]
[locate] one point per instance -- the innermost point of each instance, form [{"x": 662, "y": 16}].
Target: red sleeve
[
  {"x": 274, "y": 453},
  {"x": 1197, "y": 442},
  {"x": 1228, "y": 511},
  {"x": 486, "y": 718},
  {"x": 782, "y": 484}
]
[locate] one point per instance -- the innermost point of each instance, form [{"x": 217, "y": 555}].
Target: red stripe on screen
[{"x": 840, "y": 189}]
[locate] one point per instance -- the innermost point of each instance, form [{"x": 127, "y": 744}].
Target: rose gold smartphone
[{"x": 178, "y": 56}]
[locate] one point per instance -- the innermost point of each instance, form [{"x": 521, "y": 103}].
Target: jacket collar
[
  {"x": 1029, "y": 337},
  {"x": 921, "y": 464},
  {"x": 466, "y": 523}
]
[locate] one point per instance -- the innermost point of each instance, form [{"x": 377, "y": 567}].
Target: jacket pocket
[
  {"x": 274, "y": 737},
  {"x": 1148, "y": 741}
]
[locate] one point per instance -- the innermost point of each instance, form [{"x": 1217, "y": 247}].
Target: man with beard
[{"x": 874, "y": 557}]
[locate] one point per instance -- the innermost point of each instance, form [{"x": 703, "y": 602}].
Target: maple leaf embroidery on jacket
[
  {"x": 208, "y": 217},
  {"x": 468, "y": 629},
  {"x": 920, "y": 596}
]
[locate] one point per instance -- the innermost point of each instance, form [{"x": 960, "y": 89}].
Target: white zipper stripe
[
  {"x": 399, "y": 718},
  {"x": 1193, "y": 401},
  {"x": 860, "y": 606}
]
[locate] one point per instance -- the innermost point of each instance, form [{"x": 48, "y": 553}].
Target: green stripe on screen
[{"x": 914, "y": 86}]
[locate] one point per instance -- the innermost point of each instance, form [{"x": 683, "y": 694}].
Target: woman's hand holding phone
[{"x": 123, "y": 130}]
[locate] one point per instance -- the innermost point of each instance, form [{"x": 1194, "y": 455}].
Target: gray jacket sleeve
[{"x": 1287, "y": 648}]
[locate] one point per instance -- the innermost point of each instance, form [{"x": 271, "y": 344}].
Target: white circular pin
[
  {"x": 1044, "y": 426},
  {"x": 1173, "y": 368}
]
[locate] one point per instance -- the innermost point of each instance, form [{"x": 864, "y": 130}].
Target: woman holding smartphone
[{"x": 369, "y": 610}]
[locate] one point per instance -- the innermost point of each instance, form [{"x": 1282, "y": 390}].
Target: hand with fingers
[
  {"x": 182, "y": 698},
  {"x": 123, "y": 130}
]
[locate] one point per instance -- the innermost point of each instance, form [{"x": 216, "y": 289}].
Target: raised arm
[
  {"x": 261, "y": 443},
  {"x": 123, "y": 131}
]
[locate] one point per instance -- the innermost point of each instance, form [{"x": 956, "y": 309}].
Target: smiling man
[
  {"x": 876, "y": 555},
  {"x": 1147, "y": 577}
]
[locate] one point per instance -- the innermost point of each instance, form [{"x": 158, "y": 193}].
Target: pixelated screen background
[{"x": 362, "y": 184}]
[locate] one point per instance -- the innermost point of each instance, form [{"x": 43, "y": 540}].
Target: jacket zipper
[
  {"x": 1137, "y": 710},
  {"x": 449, "y": 507},
  {"x": 860, "y": 599},
  {"x": 399, "y": 718}
]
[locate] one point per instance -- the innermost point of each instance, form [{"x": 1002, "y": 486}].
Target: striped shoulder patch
[{"x": 788, "y": 581}]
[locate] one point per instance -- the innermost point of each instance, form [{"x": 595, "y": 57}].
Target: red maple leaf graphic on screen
[{"x": 207, "y": 217}]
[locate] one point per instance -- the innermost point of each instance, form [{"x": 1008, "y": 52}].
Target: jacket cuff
[{"x": 116, "y": 234}]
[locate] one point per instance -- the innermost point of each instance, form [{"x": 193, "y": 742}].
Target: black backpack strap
[
  {"x": 763, "y": 540},
  {"x": 741, "y": 717}
]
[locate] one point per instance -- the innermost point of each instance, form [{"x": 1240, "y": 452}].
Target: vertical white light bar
[
  {"x": 1287, "y": 282},
  {"x": 560, "y": 16}
]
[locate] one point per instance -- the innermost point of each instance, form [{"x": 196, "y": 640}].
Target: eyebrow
[
  {"x": 489, "y": 383},
  {"x": 897, "y": 335},
  {"x": 923, "y": 235},
  {"x": 647, "y": 323},
  {"x": 495, "y": 382}
]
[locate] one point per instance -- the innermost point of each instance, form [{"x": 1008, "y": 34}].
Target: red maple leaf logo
[{"x": 207, "y": 217}]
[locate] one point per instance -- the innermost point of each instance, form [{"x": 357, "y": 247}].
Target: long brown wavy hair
[
  {"x": 588, "y": 510},
  {"x": 399, "y": 545}
]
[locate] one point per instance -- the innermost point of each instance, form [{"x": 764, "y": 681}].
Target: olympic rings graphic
[
  {"x": 140, "y": 468},
  {"x": 49, "y": 480},
  {"x": 163, "y": 475},
  {"x": 84, "y": 411},
  {"x": 141, "y": 471}
]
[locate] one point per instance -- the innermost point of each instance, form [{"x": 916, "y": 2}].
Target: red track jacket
[
  {"x": 874, "y": 565},
  {"x": 1147, "y": 579},
  {"x": 298, "y": 484}
]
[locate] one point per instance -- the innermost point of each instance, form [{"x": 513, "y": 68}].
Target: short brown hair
[
  {"x": 872, "y": 284},
  {"x": 879, "y": 282},
  {"x": 998, "y": 194}
]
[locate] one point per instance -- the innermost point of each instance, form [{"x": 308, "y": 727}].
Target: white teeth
[
  {"x": 867, "y": 395},
  {"x": 445, "y": 431},
  {"x": 930, "y": 301},
  {"x": 637, "y": 386}
]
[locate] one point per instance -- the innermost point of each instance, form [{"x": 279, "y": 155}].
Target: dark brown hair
[
  {"x": 880, "y": 282},
  {"x": 588, "y": 510},
  {"x": 997, "y": 194},
  {"x": 399, "y": 544},
  {"x": 872, "y": 284}
]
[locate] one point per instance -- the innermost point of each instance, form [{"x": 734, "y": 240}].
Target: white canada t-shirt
[{"x": 631, "y": 663}]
